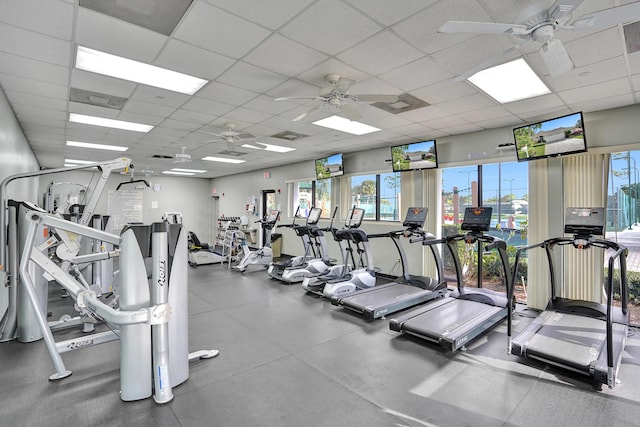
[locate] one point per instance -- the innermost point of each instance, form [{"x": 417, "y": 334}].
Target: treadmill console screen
[
  {"x": 314, "y": 216},
  {"x": 477, "y": 219},
  {"x": 273, "y": 216},
  {"x": 354, "y": 217},
  {"x": 584, "y": 221},
  {"x": 415, "y": 217}
]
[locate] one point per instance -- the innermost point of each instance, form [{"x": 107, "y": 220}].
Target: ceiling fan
[
  {"x": 337, "y": 95},
  {"x": 229, "y": 135},
  {"x": 182, "y": 157},
  {"x": 538, "y": 24}
]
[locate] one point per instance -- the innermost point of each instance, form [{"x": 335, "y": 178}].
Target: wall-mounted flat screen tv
[
  {"x": 551, "y": 138},
  {"x": 414, "y": 156},
  {"x": 329, "y": 167}
]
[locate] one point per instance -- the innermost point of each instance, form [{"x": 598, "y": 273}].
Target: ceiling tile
[
  {"x": 52, "y": 18},
  {"x": 102, "y": 32},
  {"x": 389, "y": 12},
  {"x": 201, "y": 105},
  {"x": 272, "y": 14},
  {"x": 226, "y": 94},
  {"x": 149, "y": 109},
  {"x": 192, "y": 60},
  {"x": 284, "y": 56},
  {"x": 444, "y": 91},
  {"x": 22, "y": 98},
  {"x": 595, "y": 47},
  {"x": 33, "y": 69},
  {"x": 219, "y": 31},
  {"x": 330, "y": 26},
  {"x": 250, "y": 77},
  {"x": 316, "y": 75},
  {"x": 34, "y": 87},
  {"x": 101, "y": 84},
  {"x": 414, "y": 28},
  {"x": 34, "y": 45},
  {"x": 382, "y": 52},
  {"x": 594, "y": 92},
  {"x": 156, "y": 95},
  {"x": 417, "y": 74},
  {"x": 192, "y": 117},
  {"x": 467, "y": 103}
]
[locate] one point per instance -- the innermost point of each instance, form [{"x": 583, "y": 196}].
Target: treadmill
[
  {"x": 576, "y": 335},
  {"x": 466, "y": 313},
  {"x": 406, "y": 291}
]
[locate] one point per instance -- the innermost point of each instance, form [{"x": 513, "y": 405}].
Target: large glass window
[
  {"x": 302, "y": 196},
  {"x": 378, "y": 195},
  {"x": 323, "y": 197},
  {"x": 504, "y": 188},
  {"x": 390, "y": 196},
  {"x": 622, "y": 221},
  {"x": 363, "y": 194}
]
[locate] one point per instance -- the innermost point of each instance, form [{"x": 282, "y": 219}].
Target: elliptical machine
[
  {"x": 315, "y": 284},
  {"x": 264, "y": 255},
  {"x": 317, "y": 266},
  {"x": 360, "y": 278},
  {"x": 276, "y": 269}
]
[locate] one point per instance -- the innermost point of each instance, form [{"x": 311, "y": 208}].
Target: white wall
[
  {"x": 17, "y": 157},
  {"x": 189, "y": 196}
]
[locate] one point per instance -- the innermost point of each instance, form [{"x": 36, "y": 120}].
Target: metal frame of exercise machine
[
  {"x": 466, "y": 313},
  {"x": 576, "y": 335},
  {"x": 406, "y": 291}
]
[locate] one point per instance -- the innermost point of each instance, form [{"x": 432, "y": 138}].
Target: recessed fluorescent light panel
[
  {"x": 510, "y": 82},
  {"x": 188, "y": 170},
  {"x": 96, "y": 146},
  {"x": 127, "y": 69},
  {"x": 346, "y": 125},
  {"x": 110, "y": 123},
  {"x": 268, "y": 147},
  {"x": 178, "y": 173},
  {"x": 222, "y": 159}
]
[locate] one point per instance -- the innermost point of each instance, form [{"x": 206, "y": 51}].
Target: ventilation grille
[
  {"x": 404, "y": 103},
  {"x": 289, "y": 135},
  {"x": 96, "y": 98}
]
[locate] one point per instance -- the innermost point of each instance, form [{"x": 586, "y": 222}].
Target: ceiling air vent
[
  {"x": 161, "y": 156},
  {"x": 232, "y": 152},
  {"x": 96, "y": 98},
  {"x": 404, "y": 103},
  {"x": 289, "y": 135}
]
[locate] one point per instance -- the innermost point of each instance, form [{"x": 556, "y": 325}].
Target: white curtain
[{"x": 585, "y": 185}]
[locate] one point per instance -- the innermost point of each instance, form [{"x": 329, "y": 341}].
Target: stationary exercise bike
[{"x": 264, "y": 255}]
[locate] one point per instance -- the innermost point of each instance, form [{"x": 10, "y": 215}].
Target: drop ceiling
[{"x": 255, "y": 51}]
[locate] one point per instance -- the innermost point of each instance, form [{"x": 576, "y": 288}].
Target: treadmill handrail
[{"x": 620, "y": 250}]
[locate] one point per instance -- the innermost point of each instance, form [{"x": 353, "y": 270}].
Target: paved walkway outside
[{"x": 630, "y": 239}]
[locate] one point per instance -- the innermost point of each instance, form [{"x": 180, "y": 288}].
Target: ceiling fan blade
[
  {"x": 563, "y": 8},
  {"x": 343, "y": 85},
  {"x": 488, "y": 63},
  {"x": 608, "y": 17},
  {"x": 481, "y": 28},
  {"x": 349, "y": 112},
  {"x": 211, "y": 133},
  {"x": 376, "y": 98},
  {"x": 556, "y": 58},
  {"x": 303, "y": 115},
  {"x": 284, "y": 98}
]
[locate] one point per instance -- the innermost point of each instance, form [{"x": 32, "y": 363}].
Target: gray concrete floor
[{"x": 292, "y": 359}]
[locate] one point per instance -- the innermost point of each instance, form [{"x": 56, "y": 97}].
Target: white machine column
[
  {"x": 135, "y": 340},
  {"x": 159, "y": 289}
]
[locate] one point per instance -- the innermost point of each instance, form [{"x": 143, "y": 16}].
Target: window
[
  {"x": 302, "y": 196},
  {"x": 502, "y": 186},
  {"x": 623, "y": 215},
  {"x": 363, "y": 194},
  {"x": 378, "y": 195},
  {"x": 322, "y": 198},
  {"x": 390, "y": 196}
]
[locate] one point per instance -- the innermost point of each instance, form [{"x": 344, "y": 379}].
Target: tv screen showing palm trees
[
  {"x": 330, "y": 166},
  {"x": 414, "y": 156},
  {"x": 556, "y": 137}
]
